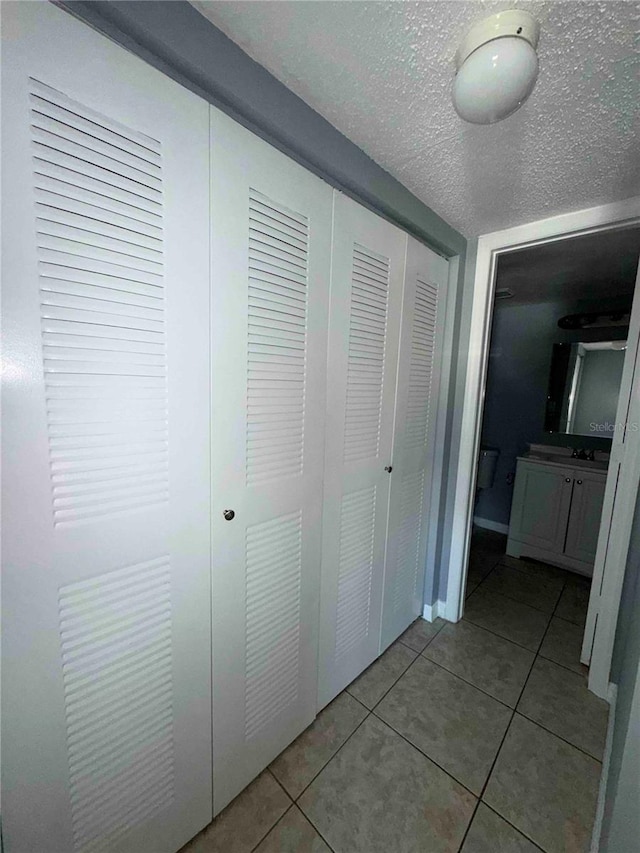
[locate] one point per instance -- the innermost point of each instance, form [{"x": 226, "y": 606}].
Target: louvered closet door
[
  {"x": 414, "y": 444},
  {"x": 366, "y": 295},
  {"x": 271, "y": 232},
  {"x": 106, "y": 655}
]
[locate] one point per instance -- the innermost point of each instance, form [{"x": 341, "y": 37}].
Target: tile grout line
[
  {"x": 471, "y": 684},
  {"x": 292, "y": 805},
  {"x": 511, "y": 597},
  {"x": 508, "y": 822},
  {"x": 546, "y": 630},
  {"x": 551, "y": 616},
  {"x": 484, "y": 577},
  {"x": 502, "y": 637},
  {"x": 428, "y": 757},
  {"x": 562, "y": 665},
  {"x": 404, "y": 671},
  {"x": 511, "y": 709},
  {"x": 329, "y": 760},
  {"x": 368, "y": 710},
  {"x": 271, "y": 828},
  {"x": 538, "y": 655},
  {"x": 513, "y": 715},
  {"x": 346, "y": 690},
  {"x": 468, "y": 827},
  {"x": 542, "y": 657},
  {"x": 498, "y": 751},
  {"x": 513, "y": 826},
  {"x": 506, "y": 731},
  {"x": 514, "y": 711},
  {"x": 555, "y": 734},
  {"x": 324, "y": 766},
  {"x": 429, "y": 641},
  {"x": 368, "y": 714},
  {"x": 294, "y": 802},
  {"x": 372, "y": 712},
  {"x": 418, "y": 654},
  {"x": 569, "y": 622},
  {"x": 561, "y": 576},
  {"x": 424, "y": 755}
]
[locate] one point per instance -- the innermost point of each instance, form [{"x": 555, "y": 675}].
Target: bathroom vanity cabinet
[{"x": 555, "y": 514}]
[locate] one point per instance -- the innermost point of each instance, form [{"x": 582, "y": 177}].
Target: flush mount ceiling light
[{"x": 497, "y": 67}]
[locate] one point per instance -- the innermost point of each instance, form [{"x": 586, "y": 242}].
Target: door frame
[
  {"x": 431, "y": 606},
  {"x": 474, "y": 361}
]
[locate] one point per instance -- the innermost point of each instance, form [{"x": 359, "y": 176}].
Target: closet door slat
[
  {"x": 412, "y": 484},
  {"x": 106, "y": 545},
  {"x": 271, "y": 233},
  {"x": 366, "y": 297}
]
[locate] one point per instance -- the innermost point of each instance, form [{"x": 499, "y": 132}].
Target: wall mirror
[{"x": 584, "y": 384}]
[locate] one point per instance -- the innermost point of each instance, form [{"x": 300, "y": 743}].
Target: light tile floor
[{"x": 479, "y": 737}]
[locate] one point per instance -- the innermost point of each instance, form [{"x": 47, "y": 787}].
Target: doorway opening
[{"x": 605, "y": 242}]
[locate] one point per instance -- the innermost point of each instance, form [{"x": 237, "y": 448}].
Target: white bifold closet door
[
  {"x": 414, "y": 440},
  {"x": 271, "y": 249},
  {"x": 106, "y": 545},
  {"x": 366, "y": 301}
]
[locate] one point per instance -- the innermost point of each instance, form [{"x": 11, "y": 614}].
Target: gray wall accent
[
  {"x": 460, "y": 349},
  {"x": 179, "y": 41},
  {"x": 621, "y": 822},
  {"x": 520, "y": 353}
]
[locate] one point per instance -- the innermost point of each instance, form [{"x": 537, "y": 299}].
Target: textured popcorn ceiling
[{"x": 381, "y": 73}]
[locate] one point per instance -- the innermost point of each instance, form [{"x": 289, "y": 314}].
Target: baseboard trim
[
  {"x": 432, "y": 611},
  {"x": 604, "y": 776},
  {"x": 490, "y": 525}
]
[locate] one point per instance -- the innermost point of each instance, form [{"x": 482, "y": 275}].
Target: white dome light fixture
[{"x": 497, "y": 67}]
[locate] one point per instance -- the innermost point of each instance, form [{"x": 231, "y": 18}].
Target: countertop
[{"x": 564, "y": 460}]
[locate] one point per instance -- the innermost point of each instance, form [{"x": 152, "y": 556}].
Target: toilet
[{"x": 487, "y": 461}]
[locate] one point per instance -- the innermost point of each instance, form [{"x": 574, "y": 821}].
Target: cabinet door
[
  {"x": 271, "y": 250},
  {"x": 540, "y": 508},
  {"x": 584, "y": 516},
  {"x": 106, "y": 548},
  {"x": 422, "y": 327},
  {"x": 366, "y": 295}
]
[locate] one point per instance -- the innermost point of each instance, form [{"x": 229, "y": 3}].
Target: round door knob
[
  {"x": 388, "y": 468},
  {"x": 567, "y": 479},
  {"x": 229, "y": 514},
  {"x": 579, "y": 482}
]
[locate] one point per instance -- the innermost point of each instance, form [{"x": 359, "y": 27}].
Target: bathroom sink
[{"x": 566, "y": 459}]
